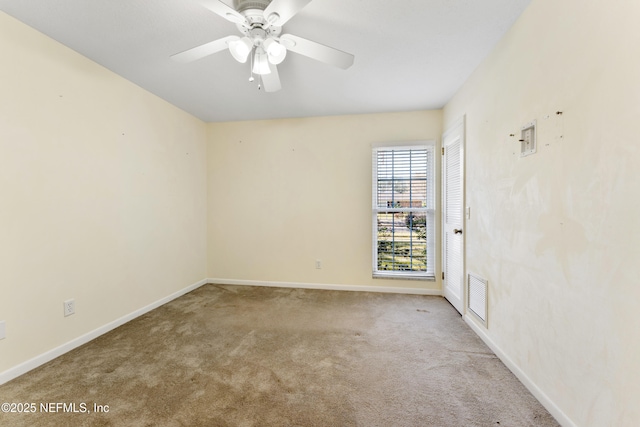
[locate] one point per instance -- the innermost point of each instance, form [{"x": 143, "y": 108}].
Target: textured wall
[
  {"x": 102, "y": 195},
  {"x": 557, "y": 233}
]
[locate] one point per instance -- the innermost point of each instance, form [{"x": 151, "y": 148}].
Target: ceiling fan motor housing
[
  {"x": 258, "y": 29},
  {"x": 242, "y": 5}
]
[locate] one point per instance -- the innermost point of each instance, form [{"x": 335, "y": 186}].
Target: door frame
[{"x": 457, "y": 128}]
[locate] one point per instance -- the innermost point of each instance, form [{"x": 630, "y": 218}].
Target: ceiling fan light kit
[
  {"x": 260, "y": 62},
  {"x": 275, "y": 50},
  {"x": 241, "y": 48},
  {"x": 260, "y": 22}
]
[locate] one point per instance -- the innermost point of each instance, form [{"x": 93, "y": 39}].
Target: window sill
[{"x": 400, "y": 276}]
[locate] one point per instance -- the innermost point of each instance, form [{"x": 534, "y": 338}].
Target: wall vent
[{"x": 477, "y": 289}]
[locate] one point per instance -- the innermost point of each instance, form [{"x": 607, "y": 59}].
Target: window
[{"x": 403, "y": 211}]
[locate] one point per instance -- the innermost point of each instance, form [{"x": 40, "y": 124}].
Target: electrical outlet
[
  {"x": 318, "y": 264},
  {"x": 69, "y": 307},
  {"x": 3, "y": 330}
]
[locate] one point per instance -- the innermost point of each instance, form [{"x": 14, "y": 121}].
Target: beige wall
[
  {"x": 283, "y": 193},
  {"x": 557, "y": 234},
  {"x": 102, "y": 195}
]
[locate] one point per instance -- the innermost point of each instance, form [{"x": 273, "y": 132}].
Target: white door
[{"x": 453, "y": 215}]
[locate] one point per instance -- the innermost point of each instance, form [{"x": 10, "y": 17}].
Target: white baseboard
[
  {"x": 354, "y": 288},
  {"x": 549, "y": 405},
  {"x": 43, "y": 358}
]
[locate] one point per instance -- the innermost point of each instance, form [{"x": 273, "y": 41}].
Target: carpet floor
[{"x": 254, "y": 356}]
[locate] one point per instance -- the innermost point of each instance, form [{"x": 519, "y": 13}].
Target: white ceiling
[{"x": 409, "y": 54}]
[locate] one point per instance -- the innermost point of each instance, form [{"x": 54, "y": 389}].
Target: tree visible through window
[{"x": 403, "y": 210}]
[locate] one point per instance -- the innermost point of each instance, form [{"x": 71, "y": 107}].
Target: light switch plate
[{"x": 528, "y": 139}]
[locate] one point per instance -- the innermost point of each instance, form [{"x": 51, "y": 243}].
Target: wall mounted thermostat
[{"x": 528, "y": 139}]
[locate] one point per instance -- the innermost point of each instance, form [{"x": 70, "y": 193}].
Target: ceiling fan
[{"x": 260, "y": 22}]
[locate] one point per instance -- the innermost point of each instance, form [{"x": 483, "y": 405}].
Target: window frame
[{"x": 429, "y": 211}]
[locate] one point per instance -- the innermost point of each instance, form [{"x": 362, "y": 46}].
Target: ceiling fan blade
[
  {"x": 280, "y": 11},
  {"x": 317, "y": 51},
  {"x": 271, "y": 81},
  {"x": 227, "y": 12},
  {"x": 204, "y": 50}
]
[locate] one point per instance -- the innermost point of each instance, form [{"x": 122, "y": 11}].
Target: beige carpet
[{"x": 251, "y": 356}]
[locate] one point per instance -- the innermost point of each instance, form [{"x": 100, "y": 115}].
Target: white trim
[
  {"x": 549, "y": 405},
  {"x": 328, "y": 287},
  {"x": 457, "y": 130},
  {"x": 403, "y": 144},
  {"x": 43, "y": 358},
  {"x": 459, "y": 122},
  {"x": 430, "y": 212},
  {"x": 394, "y": 275}
]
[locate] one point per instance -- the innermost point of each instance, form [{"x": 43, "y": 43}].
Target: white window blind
[{"x": 403, "y": 211}]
